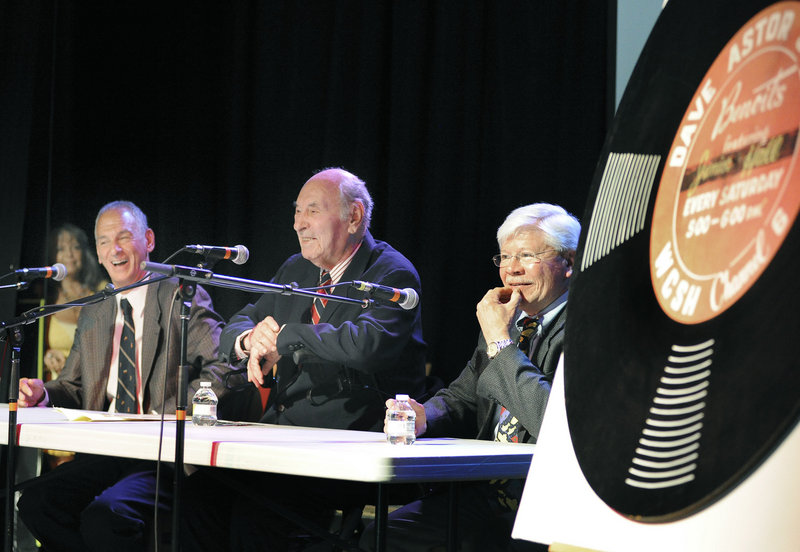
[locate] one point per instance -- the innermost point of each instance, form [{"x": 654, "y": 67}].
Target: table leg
[
  {"x": 381, "y": 515},
  {"x": 452, "y": 516}
]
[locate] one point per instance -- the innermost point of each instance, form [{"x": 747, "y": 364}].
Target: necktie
[
  {"x": 508, "y": 491},
  {"x": 530, "y": 325},
  {"x": 319, "y": 303},
  {"x": 508, "y": 428},
  {"x": 126, "y": 400}
]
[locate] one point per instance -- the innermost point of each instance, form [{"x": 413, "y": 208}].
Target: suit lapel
[
  {"x": 357, "y": 267},
  {"x": 151, "y": 332},
  {"x": 543, "y": 348},
  {"x": 98, "y": 355}
]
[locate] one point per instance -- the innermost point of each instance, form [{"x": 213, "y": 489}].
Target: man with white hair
[{"x": 502, "y": 393}]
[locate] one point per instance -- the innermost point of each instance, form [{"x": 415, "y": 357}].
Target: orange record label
[{"x": 729, "y": 192}]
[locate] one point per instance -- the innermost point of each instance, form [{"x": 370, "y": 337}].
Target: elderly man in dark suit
[
  {"x": 356, "y": 354},
  {"x": 355, "y": 359},
  {"x": 502, "y": 393},
  {"x": 119, "y": 362}
]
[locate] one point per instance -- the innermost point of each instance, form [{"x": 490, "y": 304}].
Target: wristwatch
[
  {"x": 241, "y": 343},
  {"x": 496, "y": 346}
]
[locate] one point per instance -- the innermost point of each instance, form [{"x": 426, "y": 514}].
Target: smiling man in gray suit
[
  {"x": 104, "y": 503},
  {"x": 502, "y": 393}
]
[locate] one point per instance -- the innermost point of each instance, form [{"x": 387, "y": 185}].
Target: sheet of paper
[{"x": 74, "y": 415}]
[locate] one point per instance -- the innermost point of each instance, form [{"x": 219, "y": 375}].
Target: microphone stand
[
  {"x": 16, "y": 337},
  {"x": 206, "y": 276},
  {"x": 12, "y": 329},
  {"x": 186, "y": 293},
  {"x": 19, "y": 286}
]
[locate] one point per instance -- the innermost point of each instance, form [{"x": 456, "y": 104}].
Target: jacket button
[{"x": 281, "y": 408}]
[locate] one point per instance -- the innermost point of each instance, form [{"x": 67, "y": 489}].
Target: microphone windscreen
[
  {"x": 61, "y": 272},
  {"x": 242, "y": 254}
]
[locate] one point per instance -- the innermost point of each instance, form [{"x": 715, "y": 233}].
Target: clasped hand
[
  {"x": 31, "y": 392},
  {"x": 262, "y": 346}
]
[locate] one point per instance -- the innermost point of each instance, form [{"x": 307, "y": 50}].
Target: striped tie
[
  {"x": 126, "y": 376},
  {"x": 319, "y": 303}
]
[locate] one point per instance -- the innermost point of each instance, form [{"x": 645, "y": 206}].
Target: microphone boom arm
[
  {"x": 205, "y": 276},
  {"x": 32, "y": 315}
]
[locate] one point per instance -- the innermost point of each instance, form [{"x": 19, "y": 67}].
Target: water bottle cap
[
  {"x": 205, "y": 384},
  {"x": 401, "y": 397}
]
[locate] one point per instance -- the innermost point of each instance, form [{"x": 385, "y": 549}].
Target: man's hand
[
  {"x": 262, "y": 345},
  {"x": 31, "y": 392},
  {"x": 496, "y": 312},
  {"x": 420, "y": 424}
]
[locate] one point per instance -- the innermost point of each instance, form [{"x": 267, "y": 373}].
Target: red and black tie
[{"x": 319, "y": 302}]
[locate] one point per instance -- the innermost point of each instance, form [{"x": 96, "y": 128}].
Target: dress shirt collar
[
  {"x": 337, "y": 271},
  {"x": 136, "y": 297},
  {"x": 547, "y": 315}
]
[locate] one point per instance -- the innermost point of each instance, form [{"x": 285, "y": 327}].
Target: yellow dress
[{"x": 60, "y": 335}]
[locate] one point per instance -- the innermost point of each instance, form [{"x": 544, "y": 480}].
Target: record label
[{"x": 726, "y": 199}]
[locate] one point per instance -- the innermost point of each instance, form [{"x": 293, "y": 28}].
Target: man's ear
[
  {"x": 150, "y": 238},
  {"x": 569, "y": 259},
  {"x": 356, "y": 217}
]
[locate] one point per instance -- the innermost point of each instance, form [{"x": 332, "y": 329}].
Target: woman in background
[{"x": 69, "y": 245}]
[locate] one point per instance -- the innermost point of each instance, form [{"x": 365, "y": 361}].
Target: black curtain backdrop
[{"x": 211, "y": 115}]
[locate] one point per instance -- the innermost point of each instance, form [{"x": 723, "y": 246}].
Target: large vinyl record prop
[{"x": 683, "y": 338}]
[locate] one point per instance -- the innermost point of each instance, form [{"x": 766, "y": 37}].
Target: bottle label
[
  {"x": 204, "y": 410},
  {"x": 400, "y": 427}
]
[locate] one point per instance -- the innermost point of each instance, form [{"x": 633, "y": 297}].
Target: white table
[{"x": 316, "y": 452}]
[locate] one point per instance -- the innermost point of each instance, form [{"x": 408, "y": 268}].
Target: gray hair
[
  {"x": 561, "y": 229},
  {"x": 354, "y": 190},
  {"x": 138, "y": 215}
]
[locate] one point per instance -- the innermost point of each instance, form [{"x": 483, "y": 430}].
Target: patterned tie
[
  {"x": 319, "y": 303},
  {"x": 530, "y": 324},
  {"x": 508, "y": 429},
  {"x": 126, "y": 400},
  {"x": 508, "y": 491}
]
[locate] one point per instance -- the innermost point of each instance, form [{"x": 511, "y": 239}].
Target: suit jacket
[
  {"x": 82, "y": 383},
  {"x": 359, "y": 357},
  {"x": 467, "y": 407}
]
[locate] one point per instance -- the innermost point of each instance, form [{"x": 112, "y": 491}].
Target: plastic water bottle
[
  {"x": 400, "y": 422},
  {"x": 204, "y": 405}
]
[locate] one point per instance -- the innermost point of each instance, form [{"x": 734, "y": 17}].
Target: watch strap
[{"x": 497, "y": 346}]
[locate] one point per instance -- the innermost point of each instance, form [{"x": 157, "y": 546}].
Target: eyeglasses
[{"x": 525, "y": 258}]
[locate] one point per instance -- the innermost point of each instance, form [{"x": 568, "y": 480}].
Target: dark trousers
[
  {"x": 421, "y": 526},
  {"x": 247, "y": 511},
  {"x": 95, "y": 503}
]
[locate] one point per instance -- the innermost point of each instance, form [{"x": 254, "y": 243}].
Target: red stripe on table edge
[{"x": 214, "y": 449}]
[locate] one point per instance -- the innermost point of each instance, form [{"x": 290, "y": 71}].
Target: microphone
[
  {"x": 406, "y": 298},
  {"x": 238, "y": 254},
  {"x": 176, "y": 270},
  {"x": 56, "y": 272}
]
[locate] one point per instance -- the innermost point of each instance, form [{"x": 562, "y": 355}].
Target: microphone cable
[{"x": 156, "y": 538}]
